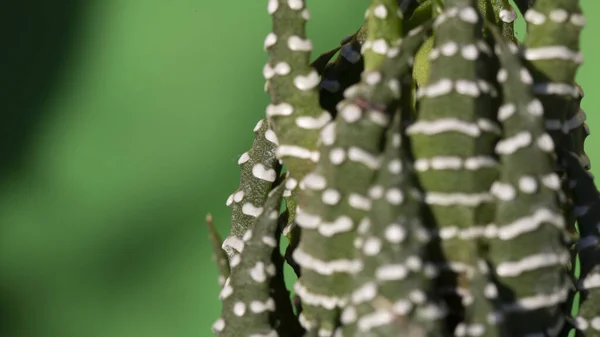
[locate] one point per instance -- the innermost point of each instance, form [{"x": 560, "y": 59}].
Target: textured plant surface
[{"x": 430, "y": 180}]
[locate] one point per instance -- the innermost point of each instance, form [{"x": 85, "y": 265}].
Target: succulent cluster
[{"x": 430, "y": 180}]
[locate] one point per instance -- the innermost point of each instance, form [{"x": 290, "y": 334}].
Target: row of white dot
[
  {"x": 445, "y": 86},
  {"x": 558, "y": 15},
  {"x": 469, "y": 52},
  {"x": 443, "y": 125}
]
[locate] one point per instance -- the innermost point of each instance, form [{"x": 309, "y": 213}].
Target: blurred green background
[{"x": 122, "y": 122}]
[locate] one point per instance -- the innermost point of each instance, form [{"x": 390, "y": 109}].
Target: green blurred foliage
[{"x": 122, "y": 122}]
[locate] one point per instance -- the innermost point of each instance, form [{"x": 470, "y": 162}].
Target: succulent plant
[{"x": 430, "y": 180}]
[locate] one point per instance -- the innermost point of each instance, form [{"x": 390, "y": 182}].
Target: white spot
[
  {"x": 475, "y": 163},
  {"x": 361, "y": 156},
  {"x": 258, "y": 306},
  {"x": 238, "y": 196},
  {"x": 235, "y": 260},
  {"x": 534, "y": 17},
  {"x": 239, "y": 308},
  {"x": 391, "y": 272},
  {"x": 417, "y": 296},
  {"x": 402, "y": 307},
  {"x": 296, "y": 4},
  {"x": 244, "y": 158},
  {"x": 282, "y": 109},
  {"x": 247, "y": 235},
  {"x": 326, "y": 267},
  {"x": 376, "y": 192},
  {"x": 396, "y": 140},
  {"x": 551, "y": 181},
  {"x": 307, "y": 220},
  {"x": 351, "y": 113},
  {"x": 414, "y": 263},
  {"x": 291, "y": 184},
  {"x": 340, "y": 225},
  {"x": 502, "y": 75},
  {"x": 372, "y": 246},
  {"x": 526, "y": 76},
  {"x": 596, "y": 323},
  {"x": 337, "y": 156},
  {"x": 395, "y": 166},
  {"x": 372, "y": 78},
  {"x": 465, "y": 87},
  {"x": 313, "y": 123},
  {"x": 305, "y": 14},
  {"x": 233, "y": 242},
  {"x": 380, "y": 46},
  {"x": 508, "y": 15},
  {"x": 328, "y": 134},
  {"x": 490, "y": 291},
  {"x": 503, "y": 191},
  {"x": 251, "y": 210},
  {"x": 270, "y": 40},
  {"x": 375, "y": 319},
  {"x": 281, "y": 68},
  {"x": 468, "y": 14},
  {"x": 528, "y": 185},
  {"x": 364, "y": 225},
  {"x": 348, "y": 315},
  {"x": 257, "y": 273},
  {"x": 578, "y": 20},
  {"x": 449, "y": 48},
  {"x": 535, "y": 108},
  {"x": 394, "y": 196},
  {"x": 380, "y": 12},
  {"x": 545, "y": 143},
  {"x": 297, "y": 43},
  {"x": 269, "y": 241},
  {"x": 226, "y": 291},
  {"x": 261, "y": 172},
  {"x": 360, "y": 202},
  {"x": 307, "y": 82},
  {"x": 559, "y": 15},
  {"x": 331, "y": 197},
  {"x": 314, "y": 181},
  {"x": 395, "y": 233},
  {"x": 440, "y": 88},
  {"x": 272, "y": 6},
  {"x": 511, "y": 144},
  {"x": 394, "y": 86},
  {"x": 258, "y": 125},
  {"x": 219, "y": 325},
  {"x": 296, "y": 152},
  {"x": 378, "y": 118},
  {"x": 581, "y": 323},
  {"x": 270, "y": 136},
  {"x": 364, "y": 293},
  {"x": 470, "y": 52}
]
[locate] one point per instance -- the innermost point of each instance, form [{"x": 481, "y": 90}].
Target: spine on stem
[
  {"x": 350, "y": 151},
  {"x": 249, "y": 304},
  {"x": 392, "y": 241},
  {"x": 294, "y": 112},
  {"x": 259, "y": 169},
  {"x": 453, "y": 145},
  {"x": 527, "y": 250}
]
